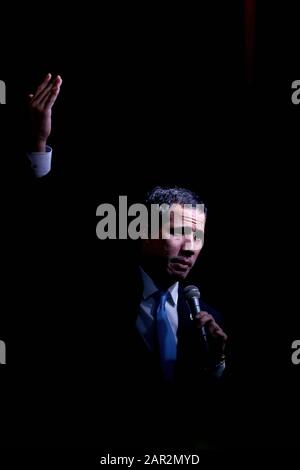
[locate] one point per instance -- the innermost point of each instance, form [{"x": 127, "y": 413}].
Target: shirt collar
[{"x": 149, "y": 288}]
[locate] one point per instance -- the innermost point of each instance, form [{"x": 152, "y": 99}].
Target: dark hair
[{"x": 173, "y": 195}]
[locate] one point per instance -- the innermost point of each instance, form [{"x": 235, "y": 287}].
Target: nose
[
  {"x": 187, "y": 253},
  {"x": 188, "y": 245}
]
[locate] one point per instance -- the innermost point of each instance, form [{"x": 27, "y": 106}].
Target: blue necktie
[{"x": 166, "y": 339}]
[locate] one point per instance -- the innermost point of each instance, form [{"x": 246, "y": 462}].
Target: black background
[{"x": 150, "y": 96}]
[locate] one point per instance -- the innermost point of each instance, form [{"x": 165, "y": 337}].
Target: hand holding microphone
[{"x": 212, "y": 336}]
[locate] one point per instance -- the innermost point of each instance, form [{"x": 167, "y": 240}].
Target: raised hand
[{"x": 40, "y": 107}]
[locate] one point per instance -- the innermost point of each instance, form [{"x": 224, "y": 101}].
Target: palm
[{"x": 40, "y": 106}]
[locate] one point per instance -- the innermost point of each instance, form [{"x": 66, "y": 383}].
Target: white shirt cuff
[{"x": 41, "y": 162}]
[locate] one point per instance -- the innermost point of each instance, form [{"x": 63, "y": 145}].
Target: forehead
[{"x": 187, "y": 215}]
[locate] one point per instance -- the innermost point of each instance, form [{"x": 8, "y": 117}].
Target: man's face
[{"x": 181, "y": 240}]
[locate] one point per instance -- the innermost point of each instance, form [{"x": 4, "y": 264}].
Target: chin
[
  {"x": 177, "y": 275},
  {"x": 181, "y": 276}
]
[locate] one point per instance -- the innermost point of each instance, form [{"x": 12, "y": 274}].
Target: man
[
  {"x": 166, "y": 262},
  {"x": 153, "y": 345}
]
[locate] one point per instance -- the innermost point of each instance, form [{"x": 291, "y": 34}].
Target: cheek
[
  {"x": 196, "y": 256},
  {"x": 172, "y": 247}
]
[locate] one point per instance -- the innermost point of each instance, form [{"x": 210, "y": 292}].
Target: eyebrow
[{"x": 186, "y": 228}]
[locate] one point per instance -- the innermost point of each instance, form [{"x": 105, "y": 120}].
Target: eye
[{"x": 198, "y": 235}]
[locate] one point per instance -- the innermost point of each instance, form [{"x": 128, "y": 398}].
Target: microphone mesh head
[{"x": 191, "y": 291}]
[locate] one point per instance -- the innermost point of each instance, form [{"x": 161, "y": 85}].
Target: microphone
[{"x": 192, "y": 296}]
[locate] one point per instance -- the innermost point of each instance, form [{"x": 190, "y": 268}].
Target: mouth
[{"x": 181, "y": 263}]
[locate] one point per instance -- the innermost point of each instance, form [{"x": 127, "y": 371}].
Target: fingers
[
  {"x": 217, "y": 332},
  {"x": 46, "y": 94},
  {"x": 50, "y": 97},
  {"x": 43, "y": 94},
  {"x": 42, "y": 86},
  {"x": 205, "y": 319},
  {"x": 53, "y": 87}
]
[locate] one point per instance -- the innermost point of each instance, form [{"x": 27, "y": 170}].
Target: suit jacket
[
  {"x": 135, "y": 390},
  {"x": 145, "y": 367}
]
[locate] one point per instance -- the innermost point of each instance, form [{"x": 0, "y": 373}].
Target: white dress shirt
[
  {"x": 145, "y": 318},
  {"x": 41, "y": 162}
]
